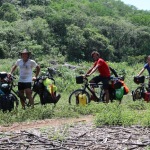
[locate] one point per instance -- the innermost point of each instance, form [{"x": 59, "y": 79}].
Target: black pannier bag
[
  {"x": 117, "y": 84},
  {"x": 38, "y": 86},
  {"x": 139, "y": 79},
  {"x": 47, "y": 98},
  {"x": 5, "y": 88},
  {"x": 7, "y": 102}
]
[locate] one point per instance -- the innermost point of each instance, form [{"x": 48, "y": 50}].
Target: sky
[{"x": 139, "y": 4}]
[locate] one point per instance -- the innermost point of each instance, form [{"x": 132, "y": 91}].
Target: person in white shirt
[{"x": 26, "y": 66}]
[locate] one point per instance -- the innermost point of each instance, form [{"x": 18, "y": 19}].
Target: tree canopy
[{"x": 73, "y": 28}]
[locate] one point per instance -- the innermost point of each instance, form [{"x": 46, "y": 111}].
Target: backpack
[{"x": 7, "y": 102}]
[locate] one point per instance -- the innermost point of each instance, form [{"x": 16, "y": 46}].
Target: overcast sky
[{"x": 139, "y": 4}]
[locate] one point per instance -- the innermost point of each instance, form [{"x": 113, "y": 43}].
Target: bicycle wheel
[
  {"x": 73, "y": 98},
  {"x": 137, "y": 94},
  {"x": 15, "y": 99},
  {"x": 36, "y": 99}
]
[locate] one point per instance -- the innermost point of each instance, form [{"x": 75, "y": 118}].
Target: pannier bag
[
  {"x": 126, "y": 89},
  {"x": 147, "y": 96},
  {"x": 49, "y": 93},
  {"x": 7, "y": 102},
  {"x": 119, "y": 93},
  {"x": 47, "y": 98},
  {"x": 82, "y": 99},
  {"x": 117, "y": 84},
  {"x": 5, "y": 88},
  {"x": 38, "y": 86},
  {"x": 48, "y": 83},
  {"x": 139, "y": 79},
  {"x": 79, "y": 79}
]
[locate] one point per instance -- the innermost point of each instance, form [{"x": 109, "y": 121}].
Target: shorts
[
  {"x": 24, "y": 85},
  {"x": 104, "y": 80}
]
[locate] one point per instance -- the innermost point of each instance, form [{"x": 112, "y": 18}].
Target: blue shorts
[{"x": 104, "y": 80}]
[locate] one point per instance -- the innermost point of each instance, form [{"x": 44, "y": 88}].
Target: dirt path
[{"x": 45, "y": 123}]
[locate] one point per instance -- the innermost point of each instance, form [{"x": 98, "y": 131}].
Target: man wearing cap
[{"x": 25, "y": 75}]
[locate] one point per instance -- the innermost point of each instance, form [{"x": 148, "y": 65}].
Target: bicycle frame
[{"x": 88, "y": 86}]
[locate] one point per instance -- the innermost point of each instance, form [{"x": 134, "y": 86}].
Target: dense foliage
[{"x": 72, "y": 28}]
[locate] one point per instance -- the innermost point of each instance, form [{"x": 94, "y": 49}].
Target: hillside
[{"x": 71, "y": 29}]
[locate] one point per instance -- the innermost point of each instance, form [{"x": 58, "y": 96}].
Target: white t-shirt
[{"x": 25, "y": 69}]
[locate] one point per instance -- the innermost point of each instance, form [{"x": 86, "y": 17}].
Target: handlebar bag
[
  {"x": 139, "y": 79},
  {"x": 79, "y": 79},
  {"x": 3, "y": 75}
]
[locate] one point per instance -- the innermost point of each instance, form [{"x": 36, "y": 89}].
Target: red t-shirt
[{"x": 103, "y": 68}]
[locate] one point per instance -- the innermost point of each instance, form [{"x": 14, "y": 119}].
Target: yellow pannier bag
[{"x": 48, "y": 83}]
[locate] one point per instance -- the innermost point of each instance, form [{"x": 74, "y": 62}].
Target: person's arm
[
  {"x": 13, "y": 69},
  {"x": 37, "y": 71},
  {"x": 141, "y": 71},
  {"x": 113, "y": 71},
  {"x": 92, "y": 70}
]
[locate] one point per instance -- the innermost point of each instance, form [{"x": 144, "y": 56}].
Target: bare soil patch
[{"x": 45, "y": 123}]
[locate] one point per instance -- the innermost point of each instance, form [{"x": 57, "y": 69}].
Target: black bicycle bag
[{"x": 7, "y": 102}]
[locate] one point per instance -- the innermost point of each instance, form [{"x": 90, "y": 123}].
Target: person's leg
[
  {"x": 106, "y": 88},
  {"x": 28, "y": 93},
  {"x": 94, "y": 80},
  {"x": 22, "y": 98},
  {"x": 107, "y": 95},
  {"x": 21, "y": 94}
]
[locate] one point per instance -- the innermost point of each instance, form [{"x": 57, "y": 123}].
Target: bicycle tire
[
  {"x": 74, "y": 94},
  {"x": 15, "y": 99},
  {"x": 137, "y": 94},
  {"x": 36, "y": 99}
]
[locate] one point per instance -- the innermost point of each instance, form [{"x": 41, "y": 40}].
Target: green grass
[{"x": 126, "y": 114}]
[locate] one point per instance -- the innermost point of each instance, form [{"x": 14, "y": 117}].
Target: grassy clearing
[{"x": 126, "y": 114}]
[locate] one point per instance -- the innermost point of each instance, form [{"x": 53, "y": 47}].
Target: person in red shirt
[{"x": 104, "y": 72}]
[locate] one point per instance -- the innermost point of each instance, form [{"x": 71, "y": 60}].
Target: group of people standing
[{"x": 26, "y": 66}]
